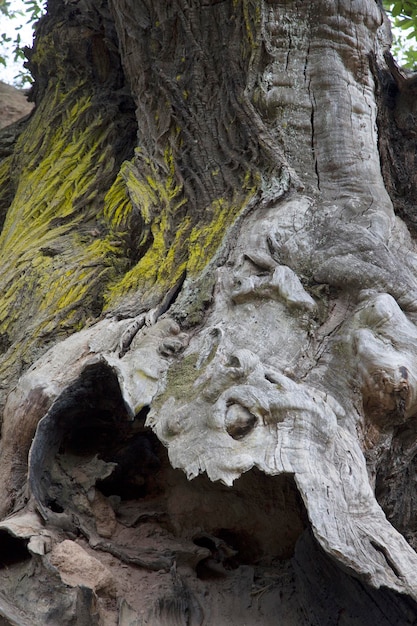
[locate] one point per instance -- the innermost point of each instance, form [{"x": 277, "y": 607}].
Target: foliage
[
  {"x": 12, "y": 21},
  {"x": 403, "y": 14}
]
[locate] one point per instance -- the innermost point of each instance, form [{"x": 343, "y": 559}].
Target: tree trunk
[{"x": 208, "y": 319}]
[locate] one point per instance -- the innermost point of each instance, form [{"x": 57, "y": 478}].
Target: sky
[{"x": 8, "y": 26}]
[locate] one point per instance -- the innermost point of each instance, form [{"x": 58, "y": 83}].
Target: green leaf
[
  {"x": 5, "y": 7},
  {"x": 22, "y": 79},
  {"x": 409, "y": 8},
  {"x": 404, "y": 23}
]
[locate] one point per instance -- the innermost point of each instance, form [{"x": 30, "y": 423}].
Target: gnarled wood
[{"x": 209, "y": 329}]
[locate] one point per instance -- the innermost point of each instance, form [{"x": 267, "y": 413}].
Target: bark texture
[{"x": 208, "y": 319}]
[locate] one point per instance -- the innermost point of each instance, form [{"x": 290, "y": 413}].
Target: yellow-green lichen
[
  {"x": 178, "y": 239},
  {"x": 252, "y": 19},
  {"x": 181, "y": 377},
  {"x": 54, "y": 259},
  {"x": 5, "y": 185},
  {"x": 5, "y": 166},
  {"x": 204, "y": 240},
  {"x": 117, "y": 204},
  {"x": 79, "y": 232}
]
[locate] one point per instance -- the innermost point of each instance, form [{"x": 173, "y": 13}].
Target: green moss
[
  {"x": 251, "y": 11},
  {"x": 179, "y": 241},
  {"x": 53, "y": 261},
  {"x": 190, "y": 311},
  {"x": 118, "y": 207},
  {"x": 6, "y": 194},
  {"x": 80, "y": 227},
  {"x": 5, "y": 165},
  {"x": 180, "y": 381},
  {"x": 204, "y": 240},
  {"x": 73, "y": 223}
]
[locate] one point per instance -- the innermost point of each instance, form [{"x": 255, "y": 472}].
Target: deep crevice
[
  {"x": 88, "y": 427},
  {"x": 12, "y": 550},
  {"x": 382, "y": 550},
  {"x": 88, "y": 422}
]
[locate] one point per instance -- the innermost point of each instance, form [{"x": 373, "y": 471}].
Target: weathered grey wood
[{"x": 211, "y": 402}]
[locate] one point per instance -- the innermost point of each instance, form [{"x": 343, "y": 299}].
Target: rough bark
[{"x": 208, "y": 319}]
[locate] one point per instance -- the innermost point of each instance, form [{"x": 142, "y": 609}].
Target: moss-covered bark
[
  {"x": 91, "y": 224},
  {"x": 202, "y": 271},
  {"x": 61, "y": 243}
]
